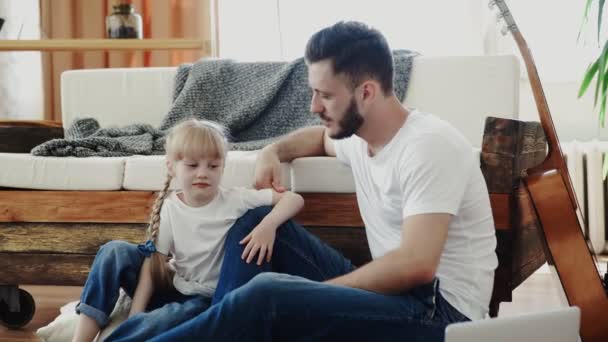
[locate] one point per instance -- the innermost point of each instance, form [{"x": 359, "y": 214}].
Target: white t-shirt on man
[
  {"x": 429, "y": 167},
  {"x": 195, "y": 236}
]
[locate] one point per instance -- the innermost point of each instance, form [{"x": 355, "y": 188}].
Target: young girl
[{"x": 190, "y": 225}]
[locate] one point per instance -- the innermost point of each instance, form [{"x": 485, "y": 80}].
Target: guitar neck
[{"x": 555, "y": 159}]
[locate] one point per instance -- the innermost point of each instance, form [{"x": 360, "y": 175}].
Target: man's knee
[
  {"x": 269, "y": 284},
  {"x": 259, "y": 287},
  {"x": 272, "y": 290}
]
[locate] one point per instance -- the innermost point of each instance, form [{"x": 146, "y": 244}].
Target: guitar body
[{"x": 572, "y": 260}]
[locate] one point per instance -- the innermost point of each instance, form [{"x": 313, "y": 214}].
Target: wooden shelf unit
[{"x": 103, "y": 44}]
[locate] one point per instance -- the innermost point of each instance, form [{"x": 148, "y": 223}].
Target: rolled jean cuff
[
  {"x": 99, "y": 316},
  {"x": 147, "y": 248}
]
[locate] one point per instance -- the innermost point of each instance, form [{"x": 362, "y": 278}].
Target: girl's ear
[{"x": 170, "y": 167}]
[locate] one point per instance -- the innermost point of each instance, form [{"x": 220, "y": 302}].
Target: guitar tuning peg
[
  {"x": 491, "y": 4},
  {"x": 499, "y": 16},
  {"x": 504, "y": 30}
]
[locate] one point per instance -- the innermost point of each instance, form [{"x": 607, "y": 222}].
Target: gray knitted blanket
[{"x": 257, "y": 102}]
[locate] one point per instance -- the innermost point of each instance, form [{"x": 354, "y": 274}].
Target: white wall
[
  {"x": 21, "y": 85},
  {"x": 434, "y": 28},
  {"x": 573, "y": 118},
  {"x": 551, "y": 29}
]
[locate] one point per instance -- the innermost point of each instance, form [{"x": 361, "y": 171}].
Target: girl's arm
[
  {"x": 260, "y": 241},
  {"x": 286, "y": 205},
  {"x": 144, "y": 289}
]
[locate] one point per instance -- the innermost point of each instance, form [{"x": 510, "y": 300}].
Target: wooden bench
[{"x": 51, "y": 237}]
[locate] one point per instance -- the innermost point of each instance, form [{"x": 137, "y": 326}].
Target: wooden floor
[
  {"x": 48, "y": 301},
  {"x": 538, "y": 293}
]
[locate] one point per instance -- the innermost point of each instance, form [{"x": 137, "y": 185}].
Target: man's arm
[
  {"x": 330, "y": 150},
  {"x": 412, "y": 264},
  {"x": 304, "y": 142}
]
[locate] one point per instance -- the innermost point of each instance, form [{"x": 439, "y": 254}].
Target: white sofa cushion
[
  {"x": 466, "y": 90},
  {"x": 150, "y": 172},
  {"x": 23, "y": 170},
  {"x": 462, "y": 90},
  {"x": 327, "y": 174},
  {"x": 117, "y": 96},
  {"x": 147, "y": 173},
  {"x": 321, "y": 174}
]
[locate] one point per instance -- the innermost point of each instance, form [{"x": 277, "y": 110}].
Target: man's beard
[{"x": 350, "y": 122}]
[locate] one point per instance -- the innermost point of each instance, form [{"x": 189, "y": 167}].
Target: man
[{"x": 423, "y": 200}]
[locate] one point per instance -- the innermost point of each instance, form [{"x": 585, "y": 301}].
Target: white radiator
[{"x": 584, "y": 161}]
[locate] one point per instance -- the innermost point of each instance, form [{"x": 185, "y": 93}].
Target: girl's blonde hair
[{"x": 191, "y": 139}]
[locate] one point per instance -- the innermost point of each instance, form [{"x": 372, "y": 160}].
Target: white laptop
[{"x": 560, "y": 325}]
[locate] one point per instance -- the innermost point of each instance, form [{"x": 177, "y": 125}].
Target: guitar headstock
[{"x": 504, "y": 14}]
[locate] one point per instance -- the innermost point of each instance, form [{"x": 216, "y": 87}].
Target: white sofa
[
  {"x": 56, "y": 212},
  {"x": 462, "y": 90}
]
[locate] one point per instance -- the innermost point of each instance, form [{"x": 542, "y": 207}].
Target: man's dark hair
[{"x": 356, "y": 51}]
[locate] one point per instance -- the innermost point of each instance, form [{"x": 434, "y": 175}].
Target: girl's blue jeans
[{"x": 288, "y": 302}]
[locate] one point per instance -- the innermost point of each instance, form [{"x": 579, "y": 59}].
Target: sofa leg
[
  {"x": 494, "y": 305},
  {"x": 17, "y": 306}
]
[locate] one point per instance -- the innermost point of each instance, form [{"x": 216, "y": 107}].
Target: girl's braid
[{"x": 152, "y": 231}]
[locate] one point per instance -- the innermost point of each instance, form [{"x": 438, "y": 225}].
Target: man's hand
[
  {"x": 261, "y": 239},
  {"x": 268, "y": 170}
]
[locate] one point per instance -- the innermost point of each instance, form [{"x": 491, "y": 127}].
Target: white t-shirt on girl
[
  {"x": 195, "y": 236},
  {"x": 429, "y": 167}
]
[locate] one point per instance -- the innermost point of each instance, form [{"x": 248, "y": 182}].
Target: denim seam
[
  {"x": 99, "y": 316},
  {"x": 391, "y": 319},
  {"x": 303, "y": 256},
  {"x": 405, "y": 318}
]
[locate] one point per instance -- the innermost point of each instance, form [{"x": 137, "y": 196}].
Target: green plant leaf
[
  {"x": 585, "y": 19},
  {"x": 600, "y": 72},
  {"x": 589, "y": 74},
  {"x": 602, "y": 110},
  {"x": 603, "y": 96},
  {"x": 597, "y": 91},
  {"x": 587, "y": 6},
  {"x": 599, "y": 67},
  {"x": 598, "y": 84},
  {"x": 599, "y": 18}
]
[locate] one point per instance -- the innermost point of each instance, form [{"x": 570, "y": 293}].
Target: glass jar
[{"x": 124, "y": 22}]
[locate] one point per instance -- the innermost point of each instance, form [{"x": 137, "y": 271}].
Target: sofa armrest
[{"x": 20, "y": 136}]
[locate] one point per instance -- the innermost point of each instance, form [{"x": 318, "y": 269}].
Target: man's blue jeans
[{"x": 288, "y": 302}]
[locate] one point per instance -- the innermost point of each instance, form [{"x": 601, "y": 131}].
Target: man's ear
[
  {"x": 170, "y": 167},
  {"x": 369, "y": 90}
]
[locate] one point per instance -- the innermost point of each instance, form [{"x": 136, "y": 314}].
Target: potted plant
[{"x": 598, "y": 69}]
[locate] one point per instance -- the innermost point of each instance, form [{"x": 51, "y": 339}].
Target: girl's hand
[{"x": 261, "y": 239}]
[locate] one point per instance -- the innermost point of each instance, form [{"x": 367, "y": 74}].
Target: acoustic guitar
[{"x": 555, "y": 203}]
